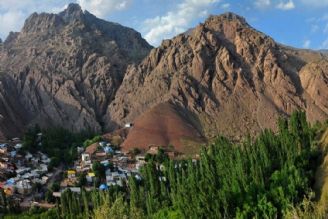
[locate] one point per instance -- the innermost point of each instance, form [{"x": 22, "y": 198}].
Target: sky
[{"x": 297, "y": 23}]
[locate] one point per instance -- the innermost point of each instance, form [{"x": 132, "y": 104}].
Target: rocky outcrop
[
  {"x": 314, "y": 80},
  {"x": 65, "y": 68},
  {"x": 227, "y": 77}
]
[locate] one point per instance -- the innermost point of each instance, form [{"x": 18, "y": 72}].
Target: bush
[{"x": 95, "y": 139}]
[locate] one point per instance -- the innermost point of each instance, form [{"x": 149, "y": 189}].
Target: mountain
[
  {"x": 64, "y": 69},
  {"x": 224, "y": 77}
]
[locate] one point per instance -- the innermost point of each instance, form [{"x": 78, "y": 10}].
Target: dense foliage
[
  {"x": 88, "y": 142},
  {"x": 261, "y": 178},
  {"x": 58, "y": 143}
]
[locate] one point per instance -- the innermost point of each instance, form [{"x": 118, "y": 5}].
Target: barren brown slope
[
  {"x": 230, "y": 78},
  {"x": 163, "y": 125}
]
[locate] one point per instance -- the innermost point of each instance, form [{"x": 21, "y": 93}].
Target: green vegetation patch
[{"x": 271, "y": 176}]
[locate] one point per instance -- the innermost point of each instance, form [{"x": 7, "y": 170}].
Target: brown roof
[{"x": 91, "y": 149}]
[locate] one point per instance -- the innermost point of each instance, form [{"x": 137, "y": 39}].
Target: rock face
[
  {"x": 64, "y": 69},
  {"x": 314, "y": 80},
  {"x": 224, "y": 77}
]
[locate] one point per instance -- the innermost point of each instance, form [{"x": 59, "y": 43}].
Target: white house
[
  {"x": 85, "y": 157},
  {"x": 28, "y": 156},
  {"x": 18, "y": 146},
  {"x": 75, "y": 189},
  {"x": 128, "y": 125},
  {"x": 22, "y": 170},
  {"x": 44, "y": 180},
  {"x": 24, "y": 187}
]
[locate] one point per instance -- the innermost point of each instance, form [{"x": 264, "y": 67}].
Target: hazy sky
[{"x": 298, "y": 23}]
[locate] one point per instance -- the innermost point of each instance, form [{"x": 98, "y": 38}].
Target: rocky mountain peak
[
  {"x": 66, "y": 68},
  {"x": 72, "y": 12},
  {"x": 227, "y": 17},
  {"x": 48, "y": 22},
  {"x": 224, "y": 77},
  {"x": 228, "y": 29},
  {"x": 73, "y": 8},
  {"x": 229, "y": 25}
]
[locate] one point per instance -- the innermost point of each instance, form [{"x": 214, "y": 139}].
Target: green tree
[{"x": 98, "y": 169}]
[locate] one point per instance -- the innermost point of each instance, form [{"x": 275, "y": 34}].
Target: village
[
  {"x": 23, "y": 176},
  {"x": 115, "y": 167},
  {"x": 27, "y": 178}
]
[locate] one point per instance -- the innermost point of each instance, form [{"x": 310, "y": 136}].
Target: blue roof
[
  {"x": 108, "y": 149},
  {"x": 10, "y": 181},
  {"x": 103, "y": 187}
]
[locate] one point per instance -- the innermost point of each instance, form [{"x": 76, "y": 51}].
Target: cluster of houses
[
  {"x": 19, "y": 171},
  {"x": 117, "y": 165}
]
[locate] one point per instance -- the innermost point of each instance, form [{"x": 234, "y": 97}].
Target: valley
[{"x": 220, "y": 121}]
